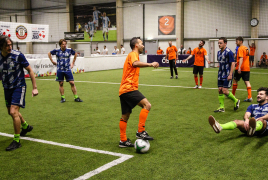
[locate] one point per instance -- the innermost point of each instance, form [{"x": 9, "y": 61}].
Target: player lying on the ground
[{"x": 255, "y": 118}]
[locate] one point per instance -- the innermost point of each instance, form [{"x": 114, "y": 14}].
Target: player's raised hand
[
  {"x": 34, "y": 92},
  {"x": 155, "y": 64}
]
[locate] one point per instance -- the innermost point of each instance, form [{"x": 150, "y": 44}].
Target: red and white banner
[{"x": 23, "y": 32}]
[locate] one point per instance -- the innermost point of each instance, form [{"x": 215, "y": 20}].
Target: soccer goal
[{"x": 260, "y": 43}]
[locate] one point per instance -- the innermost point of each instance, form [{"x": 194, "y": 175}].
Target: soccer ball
[{"x": 142, "y": 146}]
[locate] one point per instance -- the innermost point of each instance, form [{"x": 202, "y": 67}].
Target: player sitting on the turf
[
  {"x": 256, "y": 118},
  {"x": 263, "y": 59}
]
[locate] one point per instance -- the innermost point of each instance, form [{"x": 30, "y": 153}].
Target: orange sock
[
  {"x": 201, "y": 80},
  {"x": 142, "y": 120},
  {"x": 234, "y": 89},
  {"x": 196, "y": 80},
  {"x": 249, "y": 92},
  {"x": 123, "y": 128}
]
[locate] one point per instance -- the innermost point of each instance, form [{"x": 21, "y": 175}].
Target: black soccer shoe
[
  {"x": 14, "y": 145},
  {"x": 78, "y": 100},
  {"x": 237, "y": 105},
  {"x": 24, "y": 131},
  {"x": 143, "y": 135},
  {"x": 63, "y": 100},
  {"x": 126, "y": 143}
]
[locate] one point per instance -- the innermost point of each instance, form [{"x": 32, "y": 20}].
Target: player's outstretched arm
[
  {"x": 31, "y": 73},
  {"x": 189, "y": 57},
  {"x": 206, "y": 57},
  {"x": 142, "y": 64},
  {"x": 50, "y": 57}
]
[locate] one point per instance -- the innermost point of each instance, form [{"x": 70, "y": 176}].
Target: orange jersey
[
  {"x": 130, "y": 78},
  {"x": 171, "y": 52},
  {"x": 252, "y": 50},
  {"x": 159, "y": 51},
  {"x": 243, "y": 53},
  {"x": 188, "y": 52},
  {"x": 265, "y": 56},
  {"x": 199, "y": 56}
]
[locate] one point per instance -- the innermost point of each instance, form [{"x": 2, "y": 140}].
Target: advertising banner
[
  {"x": 166, "y": 25},
  {"x": 23, "y": 32},
  {"x": 161, "y": 60}
]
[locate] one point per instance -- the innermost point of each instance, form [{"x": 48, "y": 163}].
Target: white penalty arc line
[
  {"x": 151, "y": 85},
  {"x": 123, "y": 157}
]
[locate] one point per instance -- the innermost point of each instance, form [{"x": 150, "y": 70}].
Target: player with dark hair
[
  {"x": 242, "y": 68},
  {"x": 12, "y": 63},
  {"x": 63, "y": 55},
  {"x": 225, "y": 74},
  {"x": 172, "y": 56},
  {"x": 106, "y": 23},
  {"x": 251, "y": 53},
  {"x": 130, "y": 96},
  {"x": 255, "y": 118},
  {"x": 199, "y": 62}
]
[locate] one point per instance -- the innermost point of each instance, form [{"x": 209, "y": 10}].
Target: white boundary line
[
  {"x": 93, "y": 82},
  {"x": 123, "y": 157}
]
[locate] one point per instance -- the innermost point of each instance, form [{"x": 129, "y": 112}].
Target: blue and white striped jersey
[
  {"x": 105, "y": 22},
  {"x": 11, "y": 69},
  {"x": 91, "y": 25},
  {"x": 225, "y": 59},
  {"x": 63, "y": 58},
  {"x": 96, "y": 15},
  {"x": 258, "y": 111}
]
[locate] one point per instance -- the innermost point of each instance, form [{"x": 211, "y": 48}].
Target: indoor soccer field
[{"x": 72, "y": 139}]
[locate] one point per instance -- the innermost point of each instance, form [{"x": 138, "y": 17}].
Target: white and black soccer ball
[{"x": 142, "y": 146}]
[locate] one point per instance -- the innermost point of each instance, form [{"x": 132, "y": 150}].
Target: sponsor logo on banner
[
  {"x": 21, "y": 32},
  {"x": 5, "y": 30}
]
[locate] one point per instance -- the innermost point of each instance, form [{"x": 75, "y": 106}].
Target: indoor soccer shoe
[
  {"x": 176, "y": 76},
  {"x": 248, "y": 100},
  {"x": 144, "y": 135},
  {"x": 78, "y": 100},
  {"x": 196, "y": 87},
  {"x": 252, "y": 127},
  {"x": 63, "y": 100},
  {"x": 220, "y": 110},
  {"x": 171, "y": 77},
  {"x": 24, "y": 131},
  {"x": 214, "y": 124},
  {"x": 126, "y": 143},
  {"x": 237, "y": 105},
  {"x": 14, "y": 145},
  {"x": 199, "y": 87}
]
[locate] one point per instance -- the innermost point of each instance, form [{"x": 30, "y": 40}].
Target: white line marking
[
  {"x": 123, "y": 157},
  {"x": 164, "y": 69},
  {"x": 93, "y": 82}
]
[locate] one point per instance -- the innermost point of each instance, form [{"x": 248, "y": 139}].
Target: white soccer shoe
[
  {"x": 252, "y": 127},
  {"x": 196, "y": 87},
  {"x": 199, "y": 87},
  {"x": 214, "y": 124}
]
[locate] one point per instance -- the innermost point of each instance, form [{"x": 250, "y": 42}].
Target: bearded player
[{"x": 130, "y": 96}]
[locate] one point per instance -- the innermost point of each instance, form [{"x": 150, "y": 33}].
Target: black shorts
[
  {"x": 244, "y": 74},
  {"x": 130, "y": 100},
  {"x": 251, "y": 58},
  {"x": 198, "y": 69}
]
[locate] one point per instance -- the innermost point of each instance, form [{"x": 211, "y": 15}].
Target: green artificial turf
[
  {"x": 185, "y": 145},
  {"x": 98, "y": 36}
]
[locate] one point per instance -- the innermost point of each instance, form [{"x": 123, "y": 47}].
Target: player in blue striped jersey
[
  {"x": 91, "y": 29},
  {"x": 226, "y": 61},
  {"x": 255, "y": 119},
  {"x": 12, "y": 65},
  {"x": 105, "y": 25},
  {"x": 95, "y": 18},
  {"x": 64, "y": 67}
]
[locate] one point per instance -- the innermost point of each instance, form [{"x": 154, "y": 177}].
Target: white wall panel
[
  {"x": 263, "y": 21},
  {"x": 152, "y": 11},
  {"x": 231, "y": 18},
  {"x": 133, "y": 20}
]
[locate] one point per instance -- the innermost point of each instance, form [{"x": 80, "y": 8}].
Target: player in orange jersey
[
  {"x": 159, "y": 51},
  {"x": 172, "y": 56},
  {"x": 263, "y": 59},
  {"x": 129, "y": 94},
  {"x": 251, "y": 53},
  {"x": 242, "y": 68},
  {"x": 199, "y": 62},
  {"x": 189, "y": 51}
]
